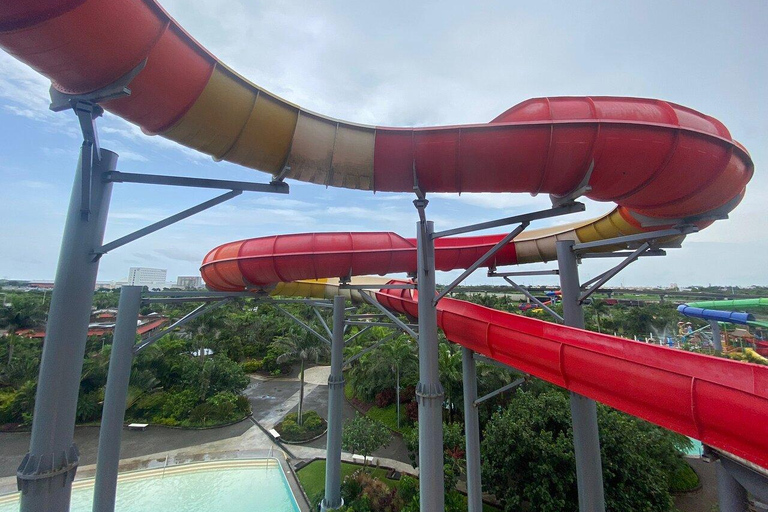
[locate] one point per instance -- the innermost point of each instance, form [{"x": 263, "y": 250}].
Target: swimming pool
[
  {"x": 254, "y": 485},
  {"x": 696, "y": 448}
]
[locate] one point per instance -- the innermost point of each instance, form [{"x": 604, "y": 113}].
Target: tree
[
  {"x": 528, "y": 457},
  {"x": 362, "y": 435},
  {"x": 395, "y": 356},
  {"x": 599, "y": 308},
  {"x": 449, "y": 363},
  {"x": 301, "y": 345}
]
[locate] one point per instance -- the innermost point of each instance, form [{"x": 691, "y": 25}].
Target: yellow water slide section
[{"x": 326, "y": 288}]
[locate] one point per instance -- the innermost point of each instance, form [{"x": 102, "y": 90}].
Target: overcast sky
[{"x": 400, "y": 63}]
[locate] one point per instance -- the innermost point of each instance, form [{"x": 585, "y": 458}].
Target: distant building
[
  {"x": 103, "y": 322},
  {"x": 189, "y": 282},
  {"x": 149, "y": 277}
]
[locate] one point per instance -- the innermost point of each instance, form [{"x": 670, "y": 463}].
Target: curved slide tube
[
  {"x": 626, "y": 150},
  {"x": 661, "y": 163},
  {"x": 733, "y": 317}
]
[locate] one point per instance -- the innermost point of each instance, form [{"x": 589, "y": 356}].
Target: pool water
[
  {"x": 696, "y": 449},
  {"x": 226, "y": 486}
]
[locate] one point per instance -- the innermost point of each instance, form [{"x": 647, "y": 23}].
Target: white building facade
[{"x": 150, "y": 277}]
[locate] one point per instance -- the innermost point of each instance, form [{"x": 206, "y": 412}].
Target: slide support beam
[
  {"x": 429, "y": 391},
  {"x": 45, "y": 475},
  {"x": 716, "y": 335},
  {"x": 115, "y": 396},
  {"x": 332, "y": 499},
  {"x": 731, "y": 496},
  {"x": 472, "y": 431},
  {"x": 586, "y": 438}
]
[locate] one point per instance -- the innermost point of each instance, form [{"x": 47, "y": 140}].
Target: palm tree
[
  {"x": 449, "y": 363},
  {"x": 397, "y": 355},
  {"x": 301, "y": 345}
]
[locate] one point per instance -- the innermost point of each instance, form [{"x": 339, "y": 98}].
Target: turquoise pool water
[
  {"x": 233, "y": 486},
  {"x": 696, "y": 449}
]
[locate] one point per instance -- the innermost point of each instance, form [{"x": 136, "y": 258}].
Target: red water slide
[{"x": 661, "y": 163}]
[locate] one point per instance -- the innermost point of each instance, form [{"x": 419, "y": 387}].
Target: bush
[
  {"x": 314, "y": 423},
  {"x": 179, "y": 405},
  {"x": 203, "y": 413},
  {"x": 385, "y": 398},
  {"x": 684, "y": 479},
  {"x": 362, "y": 492},
  {"x": 407, "y": 394},
  {"x": 252, "y": 365},
  {"x": 243, "y": 405},
  {"x": 412, "y": 411},
  {"x": 6, "y": 406},
  {"x": 290, "y": 429},
  {"x": 89, "y": 406},
  {"x": 148, "y": 406},
  {"x": 311, "y": 427}
]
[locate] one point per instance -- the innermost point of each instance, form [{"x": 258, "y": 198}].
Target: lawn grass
[
  {"x": 312, "y": 479},
  {"x": 388, "y": 416}
]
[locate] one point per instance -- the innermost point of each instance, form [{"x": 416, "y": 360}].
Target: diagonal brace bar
[
  {"x": 323, "y": 322},
  {"x": 496, "y": 248},
  {"x": 373, "y": 324},
  {"x": 200, "y": 310},
  {"x": 186, "y": 181},
  {"x": 606, "y": 276},
  {"x": 502, "y": 389},
  {"x": 358, "y": 333},
  {"x": 534, "y": 299},
  {"x": 165, "y": 222},
  {"x": 526, "y": 217},
  {"x": 377, "y": 286},
  {"x": 621, "y": 254},
  {"x": 630, "y": 239},
  {"x": 304, "y": 325},
  {"x": 370, "y": 300},
  {"x": 371, "y": 348},
  {"x": 552, "y": 272}
]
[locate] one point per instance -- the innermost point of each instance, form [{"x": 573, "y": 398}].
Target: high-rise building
[
  {"x": 189, "y": 282},
  {"x": 150, "y": 277}
]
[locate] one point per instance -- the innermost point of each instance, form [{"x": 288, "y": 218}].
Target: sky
[{"x": 400, "y": 63}]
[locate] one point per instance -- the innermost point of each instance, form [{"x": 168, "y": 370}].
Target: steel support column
[
  {"x": 718, "y": 344},
  {"x": 115, "y": 396},
  {"x": 586, "y": 438},
  {"x": 46, "y": 473},
  {"x": 332, "y": 499},
  {"x": 731, "y": 496},
  {"x": 429, "y": 391},
  {"x": 472, "y": 431}
]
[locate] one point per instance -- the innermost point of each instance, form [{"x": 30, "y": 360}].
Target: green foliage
[
  {"x": 362, "y": 435},
  {"x": 684, "y": 479},
  {"x": 312, "y": 426},
  {"x": 365, "y": 493},
  {"x": 251, "y": 365},
  {"x": 533, "y": 436},
  {"x": 388, "y": 417},
  {"x": 89, "y": 405},
  {"x": 178, "y": 405}
]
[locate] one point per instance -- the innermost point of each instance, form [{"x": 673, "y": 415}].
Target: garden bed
[{"x": 312, "y": 427}]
